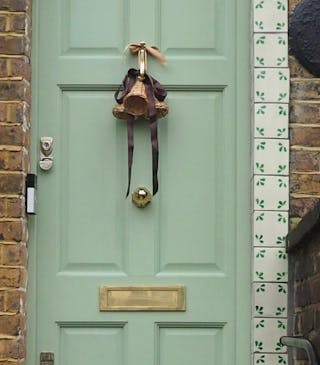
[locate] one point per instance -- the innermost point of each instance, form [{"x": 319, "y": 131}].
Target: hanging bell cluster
[
  {"x": 135, "y": 101},
  {"x": 140, "y": 95}
]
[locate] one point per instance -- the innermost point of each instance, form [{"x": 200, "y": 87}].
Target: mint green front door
[{"x": 195, "y": 232}]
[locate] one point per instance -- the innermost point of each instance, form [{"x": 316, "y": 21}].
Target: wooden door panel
[{"x": 88, "y": 234}]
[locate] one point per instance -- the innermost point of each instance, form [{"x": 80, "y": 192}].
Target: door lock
[{"x": 46, "y": 153}]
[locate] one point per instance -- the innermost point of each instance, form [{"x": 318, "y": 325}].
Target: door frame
[{"x": 243, "y": 187}]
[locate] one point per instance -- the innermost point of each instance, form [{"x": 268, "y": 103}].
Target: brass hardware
[
  {"x": 142, "y": 60},
  {"x": 46, "y": 153},
  {"x": 141, "y": 197},
  {"x": 46, "y": 358},
  {"x": 142, "y": 298}
]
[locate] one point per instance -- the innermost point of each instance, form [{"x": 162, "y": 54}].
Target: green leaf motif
[
  {"x": 259, "y": 345},
  {"x": 281, "y": 240},
  {"x": 280, "y": 26},
  {"x": 280, "y": 275},
  {"x": 261, "y": 146},
  {"x": 261, "y": 110},
  {"x": 281, "y": 204},
  {"x": 260, "y": 275},
  {"x": 259, "y": 5},
  {"x": 281, "y": 360},
  {"x": 260, "y": 324},
  {"x": 281, "y": 325},
  {"x": 280, "y": 311},
  {"x": 280, "y": 5},
  {"x": 282, "y": 183},
  {"x": 259, "y": 310},
  {"x": 261, "y": 359},
  {"x": 260, "y": 60},
  {"x": 259, "y": 238},
  {"x": 261, "y": 95},
  {"x": 261, "y": 40},
  {"x": 282, "y": 147},
  {"x": 282, "y": 110},
  {"x": 259, "y": 24},
  {"x": 281, "y": 168},
  {"x": 261, "y": 288},
  {"x": 282, "y": 255},
  {"x": 282, "y": 218},
  {"x": 260, "y": 167},
  {"x": 282, "y": 76},
  {"x": 280, "y": 60},
  {"x": 260, "y": 131},
  {"x": 260, "y": 217},
  {"x": 279, "y": 346},
  {"x": 282, "y": 96},
  {"x": 281, "y": 289},
  {"x": 281, "y": 41},
  {"x": 260, "y": 254},
  {"x": 280, "y": 131},
  {"x": 260, "y": 202}
]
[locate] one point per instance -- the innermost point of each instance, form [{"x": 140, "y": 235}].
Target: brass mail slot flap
[{"x": 142, "y": 298}]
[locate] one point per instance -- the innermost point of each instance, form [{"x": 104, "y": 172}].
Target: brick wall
[
  {"x": 14, "y": 141},
  {"x": 304, "y": 282},
  {"x": 304, "y": 138}
]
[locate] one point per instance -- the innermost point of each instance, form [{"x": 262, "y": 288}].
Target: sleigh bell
[
  {"x": 120, "y": 112},
  {"x": 135, "y": 102},
  {"x": 140, "y": 95}
]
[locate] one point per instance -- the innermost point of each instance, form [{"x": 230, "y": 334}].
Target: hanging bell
[{"x": 136, "y": 101}]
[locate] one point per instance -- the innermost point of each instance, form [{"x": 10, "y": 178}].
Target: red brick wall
[
  {"x": 304, "y": 289},
  {"x": 14, "y": 142},
  {"x": 304, "y": 138}
]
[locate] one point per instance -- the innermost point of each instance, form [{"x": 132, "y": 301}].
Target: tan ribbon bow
[
  {"x": 142, "y": 49},
  {"x": 152, "y": 50}
]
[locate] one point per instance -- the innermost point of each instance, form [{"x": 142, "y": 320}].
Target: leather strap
[
  {"x": 130, "y": 125},
  {"x": 153, "y": 89}
]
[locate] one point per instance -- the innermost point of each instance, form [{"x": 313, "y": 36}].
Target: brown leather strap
[
  {"x": 153, "y": 89},
  {"x": 130, "y": 125},
  {"x": 154, "y": 136}
]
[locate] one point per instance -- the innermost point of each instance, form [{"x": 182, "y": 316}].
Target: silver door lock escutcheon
[{"x": 46, "y": 153}]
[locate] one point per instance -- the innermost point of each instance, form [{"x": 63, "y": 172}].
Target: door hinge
[{"x": 46, "y": 358}]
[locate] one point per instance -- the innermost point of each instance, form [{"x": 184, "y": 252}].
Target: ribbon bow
[{"x": 152, "y": 50}]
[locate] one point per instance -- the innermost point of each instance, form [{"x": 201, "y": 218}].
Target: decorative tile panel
[
  {"x": 270, "y": 50},
  {"x": 267, "y": 333},
  {"x": 271, "y": 120},
  {"x": 270, "y": 228},
  {"x": 270, "y": 300},
  {"x": 271, "y": 192},
  {"x": 271, "y": 157},
  {"x": 270, "y": 265},
  {"x": 270, "y": 16},
  {"x": 271, "y": 85},
  {"x": 270, "y": 182}
]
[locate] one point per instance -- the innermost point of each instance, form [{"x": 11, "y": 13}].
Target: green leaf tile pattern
[{"x": 270, "y": 181}]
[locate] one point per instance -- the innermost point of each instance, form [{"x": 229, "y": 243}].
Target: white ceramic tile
[
  {"x": 271, "y": 157},
  {"x": 267, "y": 333},
  {"x": 270, "y": 264},
  {"x": 271, "y": 85},
  {"x": 270, "y": 228},
  {"x": 271, "y": 120},
  {"x": 270, "y": 359},
  {"x": 270, "y": 15},
  {"x": 271, "y": 50},
  {"x": 270, "y": 300},
  {"x": 271, "y": 192}
]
